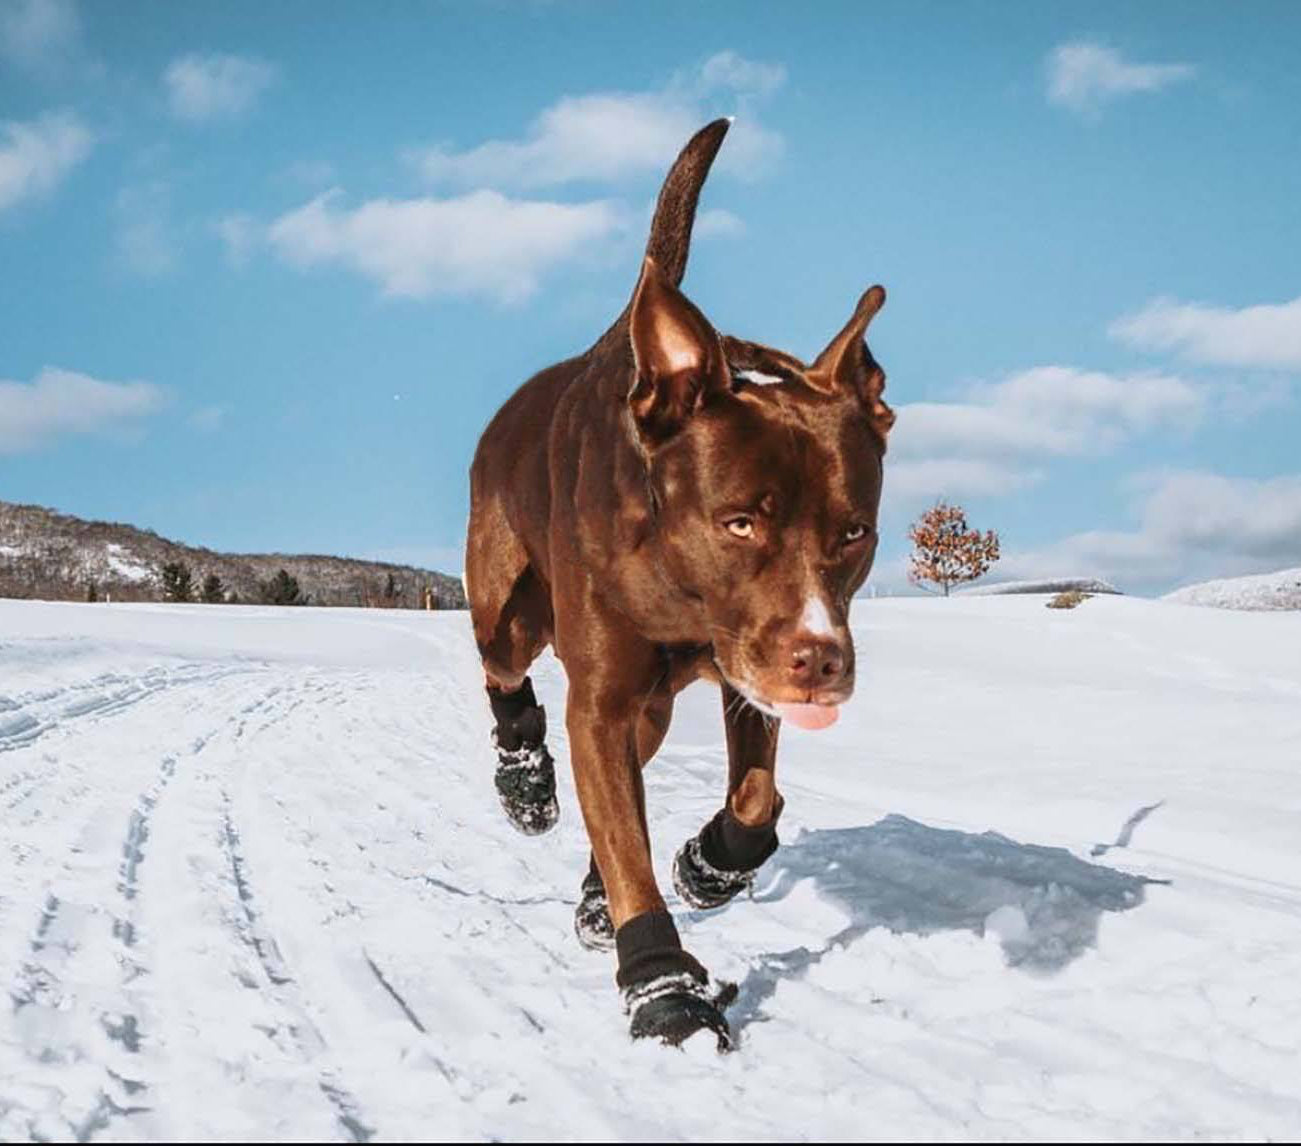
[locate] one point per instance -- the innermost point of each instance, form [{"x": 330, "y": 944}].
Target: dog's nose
[{"x": 817, "y": 664}]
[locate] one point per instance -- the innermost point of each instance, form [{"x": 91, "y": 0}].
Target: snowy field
[{"x": 1042, "y": 881}]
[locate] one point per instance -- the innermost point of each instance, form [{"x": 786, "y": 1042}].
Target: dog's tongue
[{"x": 810, "y": 716}]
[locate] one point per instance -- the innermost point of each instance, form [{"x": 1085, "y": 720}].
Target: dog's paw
[
  {"x": 672, "y": 1008},
  {"x": 700, "y": 883},
  {"x": 592, "y": 923},
  {"x": 526, "y": 786}
]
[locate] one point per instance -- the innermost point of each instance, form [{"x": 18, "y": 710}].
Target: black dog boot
[
  {"x": 666, "y": 993},
  {"x": 526, "y": 774},
  {"x": 715, "y": 866},
  {"x": 592, "y": 922}
]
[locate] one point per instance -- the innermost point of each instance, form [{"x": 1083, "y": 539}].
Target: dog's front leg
[
  {"x": 715, "y": 865},
  {"x": 666, "y": 992}
]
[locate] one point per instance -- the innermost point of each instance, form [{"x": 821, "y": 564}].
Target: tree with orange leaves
[{"x": 946, "y": 552}]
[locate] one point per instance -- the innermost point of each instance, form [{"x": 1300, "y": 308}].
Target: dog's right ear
[{"x": 677, "y": 354}]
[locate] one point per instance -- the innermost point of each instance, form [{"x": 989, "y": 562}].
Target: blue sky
[{"x": 269, "y": 269}]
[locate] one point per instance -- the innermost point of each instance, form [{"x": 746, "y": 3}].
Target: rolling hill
[{"x": 48, "y": 555}]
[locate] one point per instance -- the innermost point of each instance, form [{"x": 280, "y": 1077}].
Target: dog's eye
[
  {"x": 855, "y": 533},
  {"x": 740, "y": 526}
]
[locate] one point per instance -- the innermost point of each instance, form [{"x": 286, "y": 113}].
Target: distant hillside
[
  {"x": 1263, "y": 592},
  {"x": 52, "y": 556},
  {"x": 1052, "y": 585}
]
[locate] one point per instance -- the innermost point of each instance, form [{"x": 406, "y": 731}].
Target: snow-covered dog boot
[
  {"x": 666, "y": 992},
  {"x": 592, "y": 922},
  {"x": 526, "y": 774},
  {"x": 717, "y": 864}
]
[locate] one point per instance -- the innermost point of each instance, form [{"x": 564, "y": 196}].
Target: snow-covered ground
[
  {"x": 254, "y": 884},
  {"x": 1263, "y": 591}
]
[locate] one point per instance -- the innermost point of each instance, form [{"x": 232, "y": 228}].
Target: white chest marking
[{"x": 816, "y": 620}]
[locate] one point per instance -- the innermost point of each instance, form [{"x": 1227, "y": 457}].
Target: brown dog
[{"x": 671, "y": 505}]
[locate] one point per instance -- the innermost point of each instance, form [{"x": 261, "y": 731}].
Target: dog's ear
[
  {"x": 678, "y": 357},
  {"x": 847, "y": 365}
]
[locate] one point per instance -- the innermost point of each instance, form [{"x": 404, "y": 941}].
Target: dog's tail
[{"x": 670, "y": 234}]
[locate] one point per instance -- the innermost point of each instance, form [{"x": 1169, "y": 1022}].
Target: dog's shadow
[{"x": 1043, "y": 903}]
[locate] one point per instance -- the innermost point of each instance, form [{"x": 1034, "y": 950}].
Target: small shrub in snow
[{"x": 1068, "y": 600}]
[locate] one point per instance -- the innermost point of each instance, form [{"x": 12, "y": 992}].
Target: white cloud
[
  {"x": 727, "y": 70},
  {"x": 1240, "y": 517},
  {"x": 314, "y": 174},
  {"x": 1266, "y": 336},
  {"x": 35, "y": 156},
  {"x": 987, "y": 444},
  {"x": 716, "y": 223},
  {"x": 38, "y": 32},
  {"x": 207, "y": 419},
  {"x": 928, "y": 478},
  {"x": 1083, "y": 75},
  {"x": 608, "y": 136},
  {"x": 147, "y": 242},
  {"x": 1192, "y": 525},
  {"x": 60, "y": 402},
  {"x": 201, "y": 88},
  {"x": 482, "y": 243},
  {"x": 240, "y": 234},
  {"x": 145, "y": 247}
]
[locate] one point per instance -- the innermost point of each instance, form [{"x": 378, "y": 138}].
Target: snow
[
  {"x": 1040, "y": 882},
  {"x": 1053, "y": 585},
  {"x": 119, "y": 562},
  {"x": 1264, "y": 591}
]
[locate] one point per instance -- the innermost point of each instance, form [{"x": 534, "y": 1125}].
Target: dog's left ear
[
  {"x": 847, "y": 365},
  {"x": 678, "y": 357}
]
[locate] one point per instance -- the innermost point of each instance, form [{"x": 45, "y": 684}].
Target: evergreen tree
[
  {"x": 390, "y": 596},
  {"x": 178, "y": 582},
  {"x": 282, "y": 589},
  {"x": 213, "y": 591}
]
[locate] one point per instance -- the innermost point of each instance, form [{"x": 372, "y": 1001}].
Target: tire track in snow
[
  {"x": 55, "y": 1014},
  {"x": 41, "y": 978},
  {"x": 341, "y": 818},
  {"x": 283, "y": 987},
  {"x": 25, "y": 719}
]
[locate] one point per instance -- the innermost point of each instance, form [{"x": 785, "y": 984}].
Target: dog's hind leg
[
  {"x": 511, "y": 613},
  {"x": 719, "y": 861}
]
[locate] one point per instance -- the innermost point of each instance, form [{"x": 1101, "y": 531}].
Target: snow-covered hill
[
  {"x": 254, "y": 884},
  {"x": 1263, "y": 592},
  {"x": 50, "y": 556},
  {"x": 1041, "y": 586}
]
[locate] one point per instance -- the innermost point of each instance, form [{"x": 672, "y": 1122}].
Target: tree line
[
  {"x": 945, "y": 553},
  {"x": 179, "y": 585}
]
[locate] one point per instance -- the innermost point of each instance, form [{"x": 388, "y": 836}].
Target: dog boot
[
  {"x": 592, "y": 922},
  {"x": 715, "y": 866},
  {"x": 667, "y": 993},
  {"x": 526, "y": 774}
]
